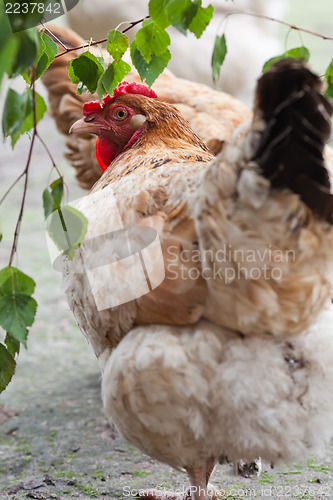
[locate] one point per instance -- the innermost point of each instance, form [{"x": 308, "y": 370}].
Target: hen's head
[{"x": 118, "y": 123}]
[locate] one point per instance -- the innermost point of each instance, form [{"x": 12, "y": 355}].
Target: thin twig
[
  {"x": 89, "y": 44},
  {"x": 234, "y": 12},
  {"x": 279, "y": 21},
  {"x": 54, "y": 36},
  {"x": 11, "y": 187},
  {"x": 54, "y": 165},
  {"x": 25, "y": 172},
  {"x": 50, "y": 156}
]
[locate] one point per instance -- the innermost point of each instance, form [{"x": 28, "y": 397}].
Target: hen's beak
[{"x": 83, "y": 127}]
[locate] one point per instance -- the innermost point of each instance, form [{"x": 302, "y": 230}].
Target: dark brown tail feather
[{"x": 290, "y": 148}]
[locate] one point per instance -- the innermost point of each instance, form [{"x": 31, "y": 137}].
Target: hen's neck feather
[{"x": 168, "y": 138}]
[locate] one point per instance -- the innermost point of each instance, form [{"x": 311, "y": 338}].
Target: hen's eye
[{"x": 120, "y": 114}]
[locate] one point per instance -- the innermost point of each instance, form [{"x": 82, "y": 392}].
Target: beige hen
[{"x": 209, "y": 363}]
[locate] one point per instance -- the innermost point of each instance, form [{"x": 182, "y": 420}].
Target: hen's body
[{"x": 206, "y": 365}]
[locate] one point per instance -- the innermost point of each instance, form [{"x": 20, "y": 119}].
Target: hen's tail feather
[{"x": 296, "y": 117}]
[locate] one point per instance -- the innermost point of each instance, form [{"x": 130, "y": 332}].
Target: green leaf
[
  {"x": 12, "y": 280},
  {"x": 86, "y": 68},
  {"x": 18, "y": 116},
  {"x": 28, "y": 121},
  {"x": 219, "y": 53},
  {"x": 7, "y": 367},
  {"x": 201, "y": 20},
  {"x": 5, "y": 27},
  {"x": 52, "y": 199},
  {"x": 57, "y": 191},
  {"x": 8, "y": 44},
  {"x": 15, "y": 106},
  {"x": 299, "y": 53},
  {"x": 117, "y": 44},
  {"x": 67, "y": 228},
  {"x": 158, "y": 13},
  {"x": 7, "y": 56},
  {"x": 17, "y": 307},
  {"x": 27, "y": 75},
  {"x": 329, "y": 81},
  {"x": 149, "y": 71},
  {"x": 181, "y": 12},
  {"x": 50, "y": 50},
  {"x": 296, "y": 53},
  {"x": 151, "y": 40},
  {"x": 71, "y": 72},
  {"x": 28, "y": 46},
  {"x": 12, "y": 344},
  {"x": 114, "y": 74},
  {"x": 51, "y": 47},
  {"x": 17, "y": 312},
  {"x": 47, "y": 203},
  {"x": 101, "y": 90}
]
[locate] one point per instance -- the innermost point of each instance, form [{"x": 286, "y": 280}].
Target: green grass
[
  {"x": 317, "y": 467},
  {"x": 99, "y": 474},
  {"x": 52, "y": 435},
  {"x": 88, "y": 489},
  {"x": 265, "y": 478},
  {"x": 140, "y": 473}
]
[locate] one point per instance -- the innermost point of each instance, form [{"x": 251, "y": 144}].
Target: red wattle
[
  {"x": 105, "y": 152},
  {"x": 99, "y": 159}
]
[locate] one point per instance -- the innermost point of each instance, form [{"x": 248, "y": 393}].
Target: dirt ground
[{"x": 55, "y": 441}]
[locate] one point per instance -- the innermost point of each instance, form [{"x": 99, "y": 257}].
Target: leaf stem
[
  {"x": 89, "y": 44},
  {"x": 25, "y": 172}
]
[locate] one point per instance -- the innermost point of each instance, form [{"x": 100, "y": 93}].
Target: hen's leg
[
  {"x": 210, "y": 467},
  {"x": 198, "y": 480},
  {"x": 199, "y": 477}
]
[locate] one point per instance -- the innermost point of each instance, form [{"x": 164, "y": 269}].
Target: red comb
[
  {"x": 91, "y": 106},
  {"x": 123, "y": 88}
]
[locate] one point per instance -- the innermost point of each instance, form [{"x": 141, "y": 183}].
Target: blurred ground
[{"x": 55, "y": 440}]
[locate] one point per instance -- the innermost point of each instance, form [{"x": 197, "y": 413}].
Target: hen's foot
[{"x": 249, "y": 470}]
